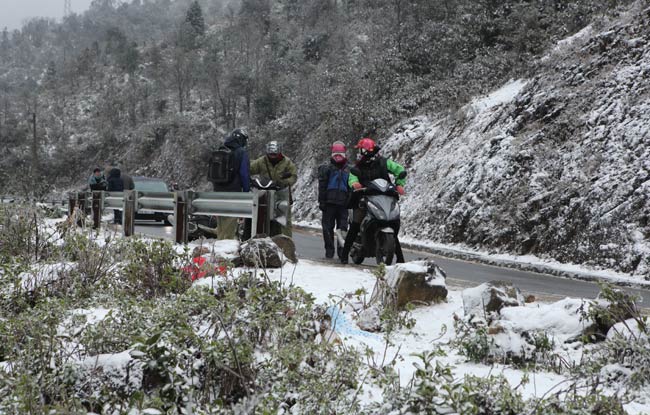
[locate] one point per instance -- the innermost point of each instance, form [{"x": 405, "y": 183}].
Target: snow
[
  {"x": 434, "y": 324},
  {"x": 568, "y": 41},
  {"x": 335, "y": 287},
  {"x": 501, "y": 96},
  {"x": 562, "y": 318}
]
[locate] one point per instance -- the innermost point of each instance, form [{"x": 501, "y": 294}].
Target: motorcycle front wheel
[
  {"x": 357, "y": 255},
  {"x": 385, "y": 248}
]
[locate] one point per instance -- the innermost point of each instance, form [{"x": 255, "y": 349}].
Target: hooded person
[
  {"x": 238, "y": 179},
  {"x": 333, "y": 193},
  {"x": 115, "y": 184},
  {"x": 279, "y": 168}
]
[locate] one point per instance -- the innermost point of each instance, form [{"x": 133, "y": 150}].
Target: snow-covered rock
[
  {"x": 491, "y": 297},
  {"x": 419, "y": 282},
  {"x": 261, "y": 253}
]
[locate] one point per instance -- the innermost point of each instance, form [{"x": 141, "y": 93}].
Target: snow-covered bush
[{"x": 151, "y": 268}]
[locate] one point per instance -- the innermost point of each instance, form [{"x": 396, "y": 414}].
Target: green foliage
[
  {"x": 151, "y": 269},
  {"x": 391, "y": 317},
  {"x": 22, "y": 234},
  {"x": 625, "y": 357},
  {"x": 474, "y": 344}
]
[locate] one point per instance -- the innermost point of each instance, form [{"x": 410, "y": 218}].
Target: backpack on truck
[{"x": 222, "y": 166}]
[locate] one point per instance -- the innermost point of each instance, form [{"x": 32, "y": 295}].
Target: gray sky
[{"x": 14, "y": 12}]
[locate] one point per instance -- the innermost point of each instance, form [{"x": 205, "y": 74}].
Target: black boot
[
  {"x": 349, "y": 240},
  {"x": 398, "y": 251}
]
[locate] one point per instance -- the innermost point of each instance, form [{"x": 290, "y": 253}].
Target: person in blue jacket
[{"x": 333, "y": 192}]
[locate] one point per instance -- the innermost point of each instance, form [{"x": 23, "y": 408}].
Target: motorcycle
[
  {"x": 378, "y": 234},
  {"x": 198, "y": 226}
]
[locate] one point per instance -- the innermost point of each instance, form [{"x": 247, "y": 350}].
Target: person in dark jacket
[
  {"x": 236, "y": 141},
  {"x": 97, "y": 181},
  {"x": 333, "y": 194},
  {"x": 370, "y": 166},
  {"x": 115, "y": 184}
]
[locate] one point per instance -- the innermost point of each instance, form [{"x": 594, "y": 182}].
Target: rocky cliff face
[{"x": 557, "y": 165}]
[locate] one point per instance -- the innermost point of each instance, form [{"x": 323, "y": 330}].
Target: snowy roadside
[
  {"x": 334, "y": 286},
  {"x": 433, "y": 334},
  {"x": 529, "y": 263}
]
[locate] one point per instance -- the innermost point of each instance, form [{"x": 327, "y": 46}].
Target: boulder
[
  {"x": 415, "y": 282},
  {"x": 370, "y": 319},
  {"x": 491, "y": 297},
  {"x": 199, "y": 251},
  {"x": 261, "y": 253},
  {"x": 287, "y": 246}
]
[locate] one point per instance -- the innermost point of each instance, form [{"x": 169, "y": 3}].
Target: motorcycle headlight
[{"x": 376, "y": 211}]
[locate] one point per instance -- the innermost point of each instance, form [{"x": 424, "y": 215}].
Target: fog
[{"x": 14, "y": 12}]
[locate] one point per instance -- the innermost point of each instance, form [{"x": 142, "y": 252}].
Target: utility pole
[{"x": 67, "y": 8}]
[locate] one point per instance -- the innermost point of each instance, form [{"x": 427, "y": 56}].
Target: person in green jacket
[
  {"x": 370, "y": 166},
  {"x": 282, "y": 171}
]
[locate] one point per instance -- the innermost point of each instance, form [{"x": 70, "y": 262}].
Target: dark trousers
[
  {"x": 333, "y": 216},
  {"x": 117, "y": 216}
]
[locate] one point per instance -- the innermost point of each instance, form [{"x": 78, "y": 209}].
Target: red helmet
[
  {"x": 367, "y": 144},
  {"x": 367, "y": 149}
]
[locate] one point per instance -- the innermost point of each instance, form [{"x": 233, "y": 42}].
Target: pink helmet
[{"x": 338, "y": 152}]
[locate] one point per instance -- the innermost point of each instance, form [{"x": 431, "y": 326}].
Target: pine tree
[
  {"x": 194, "y": 18},
  {"x": 5, "y": 44}
]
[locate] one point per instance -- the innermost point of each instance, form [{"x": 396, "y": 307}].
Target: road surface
[{"x": 309, "y": 245}]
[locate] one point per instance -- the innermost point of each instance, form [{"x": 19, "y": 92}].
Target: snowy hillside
[{"x": 556, "y": 165}]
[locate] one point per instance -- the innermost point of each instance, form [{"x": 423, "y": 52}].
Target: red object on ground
[{"x": 197, "y": 269}]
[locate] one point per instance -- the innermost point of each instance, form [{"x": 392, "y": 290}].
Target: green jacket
[
  {"x": 285, "y": 167},
  {"x": 379, "y": 168}
]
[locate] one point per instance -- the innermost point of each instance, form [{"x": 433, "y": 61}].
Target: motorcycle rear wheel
[{"x": 385, "y": 248}]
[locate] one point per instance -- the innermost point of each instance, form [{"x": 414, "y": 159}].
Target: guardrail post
[
  {"x": 261, "y": 213},
  {"x": 182, "y": 200},
  {"x": 81, "y": 200},
  {"x": 72, "y": 200},
  {"x": 97, "y": 209},
  {"x": 128, "y": 215}
]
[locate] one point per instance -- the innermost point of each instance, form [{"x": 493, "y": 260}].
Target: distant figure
[
  {"x": 282, "y": 171},
  {"x": 126, "y": 179},
  {"x": 128, "y": 182},
  {"x": 115, "y": 184},
  {"x": 333, "y": 192},
  {"x": 229, "y": 172},
  {"x": 97, "y": 181}
]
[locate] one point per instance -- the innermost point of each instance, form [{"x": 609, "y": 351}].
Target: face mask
[{"x": 339, "y": 158}]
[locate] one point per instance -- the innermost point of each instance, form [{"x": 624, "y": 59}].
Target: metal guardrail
[{"x": 258, "y": 205}]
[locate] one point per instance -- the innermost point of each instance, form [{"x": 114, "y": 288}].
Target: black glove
[
  {"x": 321, "y": 206},
  {"x": 285, "y": 175}
]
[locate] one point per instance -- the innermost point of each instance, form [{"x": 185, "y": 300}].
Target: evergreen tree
[
  {"x": 5, "y": 44},
  {"x": 193, "y": 26}
]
